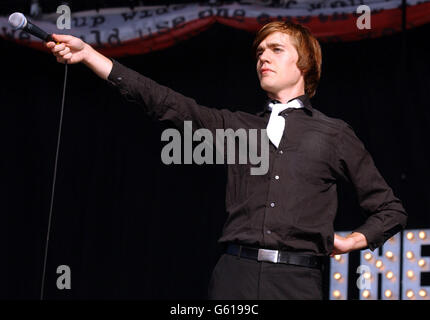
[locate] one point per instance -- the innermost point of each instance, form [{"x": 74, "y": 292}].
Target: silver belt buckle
[{"x": 268, "y": 255}]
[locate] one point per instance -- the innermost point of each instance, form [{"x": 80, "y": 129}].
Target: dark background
[{"x": 131, "y": 227}]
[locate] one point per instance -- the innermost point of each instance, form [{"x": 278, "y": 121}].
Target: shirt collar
[{"x": 303, "y": 98}]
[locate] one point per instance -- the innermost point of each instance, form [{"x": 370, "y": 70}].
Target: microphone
[{"x": 19, "y": 21}]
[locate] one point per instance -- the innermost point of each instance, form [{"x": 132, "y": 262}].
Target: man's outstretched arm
[{"x": 158, "y": 101}]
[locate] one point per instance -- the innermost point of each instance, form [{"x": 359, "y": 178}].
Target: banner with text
[{"x": 123, "y": 31}]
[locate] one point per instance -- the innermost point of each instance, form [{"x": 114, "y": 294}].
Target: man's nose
[{"x": 264, "y": 57}]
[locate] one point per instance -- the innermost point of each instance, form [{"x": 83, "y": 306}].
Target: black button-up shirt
[{"x": 293, "y": 206}]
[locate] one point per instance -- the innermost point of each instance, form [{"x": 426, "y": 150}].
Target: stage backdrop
[
  {"x": 123, "y": 31},
  {"x": 130, "y": 227}
]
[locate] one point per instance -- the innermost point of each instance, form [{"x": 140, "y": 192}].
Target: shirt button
[
  {"x": 268, "y": 232},
  {"x": 277, "y": 177},
  {"x": 272, "y": 204},
  {"x": 280, "y": 152},
  {"x": 119, "y": 78}
]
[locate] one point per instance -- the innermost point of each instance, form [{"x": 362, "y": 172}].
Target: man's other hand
[{"x": 354, "y": 241}]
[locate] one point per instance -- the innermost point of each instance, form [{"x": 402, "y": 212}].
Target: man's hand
[
  {"x": 354, "y": 241},
  {"x": 73, "y": 50},
  {"x": 70, "y": 49}
]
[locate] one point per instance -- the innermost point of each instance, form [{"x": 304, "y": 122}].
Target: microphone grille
[{"x": 17, "y": 20}]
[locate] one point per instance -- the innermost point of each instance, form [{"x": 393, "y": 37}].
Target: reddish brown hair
[{"x": 307, "y": 46}]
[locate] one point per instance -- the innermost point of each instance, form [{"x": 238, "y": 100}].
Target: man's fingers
[
  {"x": 58, "y": 48},
  {"x": 62, "y": 37},
  {"x": 64, "y": 58},
  {"x": 64, "y": 52},
  {"x": 50, "y": 44}
]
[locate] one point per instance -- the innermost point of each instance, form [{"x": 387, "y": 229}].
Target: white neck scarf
[{"x": 276, "y": 125}]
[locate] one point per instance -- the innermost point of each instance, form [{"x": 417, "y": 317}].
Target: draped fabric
[{"x": 122, "y": 31}]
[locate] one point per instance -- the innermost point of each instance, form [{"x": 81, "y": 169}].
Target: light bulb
[
  {"x": 368, "y": 256},
  {"x": 389, "y": 254},
  {"x": 378, "y": 264},
  {"x": 338, "y": 257},
  {"x": 410, "y": 294},
  {"x": 388, "y": 293},
  {"x": 336, "y": 294},
  {"x": 389, "y": 275},
  {"x": 422, "y": 235},
  {"x": 366, "y": 294},
  {"x": 337, "y": 276},
  {"x": 422, "y": 293},
  {"x": 421, "y": 263},
  {"x": 410, "y": 274},
  {"x": 410, "y": 255},
  {"x": 409, "y": 235}
]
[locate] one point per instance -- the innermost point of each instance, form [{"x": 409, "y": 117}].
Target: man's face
[{"x": 277, "y": 63}]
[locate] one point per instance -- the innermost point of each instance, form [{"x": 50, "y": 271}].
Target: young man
[{"x": 279, "y": 225}]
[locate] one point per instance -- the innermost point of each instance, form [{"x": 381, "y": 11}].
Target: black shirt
[{"x": 293, "y": 206}]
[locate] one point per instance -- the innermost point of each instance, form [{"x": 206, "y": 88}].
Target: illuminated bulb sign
[{"x": 399, "y": 264}]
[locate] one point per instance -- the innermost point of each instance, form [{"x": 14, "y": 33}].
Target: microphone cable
[{"x": 54, "y": 178}]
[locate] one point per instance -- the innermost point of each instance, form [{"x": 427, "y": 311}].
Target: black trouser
[{"x": 240, "y": 278}]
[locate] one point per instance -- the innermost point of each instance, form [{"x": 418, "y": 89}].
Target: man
[{"x": 279, "y": 225}]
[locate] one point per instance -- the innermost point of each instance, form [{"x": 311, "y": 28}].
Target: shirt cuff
[
  {"x": 121, "y": 77},
  {"x": 116, "y": 75}
]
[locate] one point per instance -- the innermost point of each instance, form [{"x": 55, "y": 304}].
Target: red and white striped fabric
[{"x": 122, "y": 31}]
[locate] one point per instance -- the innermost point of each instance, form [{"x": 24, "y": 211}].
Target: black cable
[{"x": 53, "y": 185}]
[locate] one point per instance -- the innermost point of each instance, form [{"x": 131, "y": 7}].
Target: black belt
[{"x": 275, "y": 256}]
